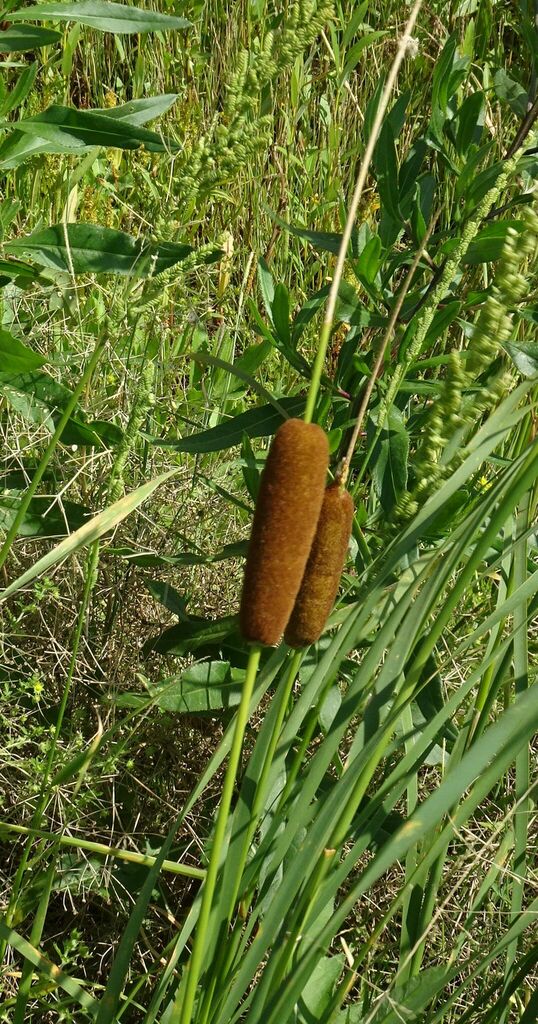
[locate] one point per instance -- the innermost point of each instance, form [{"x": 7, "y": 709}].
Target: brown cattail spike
[
  {"x": 324, "y": 569},
  {"x": 287, "y": 511}
]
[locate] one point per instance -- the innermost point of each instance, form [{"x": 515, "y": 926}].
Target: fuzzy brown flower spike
[
  {"x": 287, "y": 511},
  {"x": 324, "y": 569}
]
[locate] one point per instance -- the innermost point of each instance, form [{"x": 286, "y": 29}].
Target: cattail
[
  {"x": 287, "y": 511},
  {"x": 323, "y": 570}
]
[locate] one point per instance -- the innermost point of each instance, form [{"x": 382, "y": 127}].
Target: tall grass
[{"x": 342, "y": 834}]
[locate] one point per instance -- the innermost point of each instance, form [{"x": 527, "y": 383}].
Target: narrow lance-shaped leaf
[
  {"x": 90, "y": 248},
  {"x": 20, "y": 38},
  {"x": 100, "y": 14}
]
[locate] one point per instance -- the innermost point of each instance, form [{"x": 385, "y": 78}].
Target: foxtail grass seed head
[
  {"x": 287, "y": 511},
  {"x": 323, "y": 570}
]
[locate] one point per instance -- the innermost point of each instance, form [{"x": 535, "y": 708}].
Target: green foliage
[{"x": 367, "y": 851}]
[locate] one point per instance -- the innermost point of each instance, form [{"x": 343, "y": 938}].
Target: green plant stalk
[
  {"x": 56, "y": 437},
  {"x": 228, "y": 948},
  {"x": 102, "y": 850},
  {"x": 317, "y": 370},
  {"x": 522, "y": 783},
  {"x": 451, "y": 267},
  {"x": 328, "y": 319},
  {"x": 260, "y": 793},
  {"x": 194, "y": 967},
  {"x": 411, "y": 861}
]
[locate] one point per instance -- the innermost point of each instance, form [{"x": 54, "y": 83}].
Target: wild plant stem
[
  {"x": 261, "y": 785},
  {"x": 227, "y": 949},
  {"x": 328, "y": 318},
  {"x": 102, "y": 850},
  {"x": 195, "y": 963},
  {"x": 522, "y": 783}
]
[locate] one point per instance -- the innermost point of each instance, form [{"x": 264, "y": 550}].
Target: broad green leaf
[
  {"x": 316, "y": 995},
  {"x": 67, "y": 130},
  {"x": 326, "y": 241},
  {"x": 91, "y": 531},
  {"x": 386, "y": 168},
  {"x": 488, "y": 243},
  {"x": 330, "y": 707},
  {"x": 280, "y": 309},
  {"x": 102, "y": 15},
  {"x": 147, "y": 559},
  {"x": 20, "y": 146},
  {"x": 19, "y": 91},
  {"x": 21, "y": 273},
  {"x": 354, "y": 54},
  {"x": 44, "y": 517},
  {"x": 202, "y": 688},
  {"x": 524, "y": 354},
  {"x": 16, "y": 357},
  {"x": 191, "y": 635},
  {"x": 511, "y": 92},
  {"x": 169, "y": 597},
  {"x": 139, "y": 112},
  {"x": 267, "y": 286},
  {"x": 470, "y": 122},
  {"x": 259, "y": 422},
  {"x": 20, "y": 38},
  {"x": 89, "y": 248},
  {"x": 40, "y": 399},
  {"x": 389, "y": 458},
  {"x": 369, "y": 261},
  {"x": 409, "y": 999}
]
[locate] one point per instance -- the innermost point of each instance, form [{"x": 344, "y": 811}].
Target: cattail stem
[
  {"x": 228, "y": 949},
  {"x": 261, "y": 787},
  {"x": 195, "y": 963}
]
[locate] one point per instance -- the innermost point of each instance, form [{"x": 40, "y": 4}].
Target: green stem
[
  {"x": 195, "y": 964},
  {"x": 317, "y": 371},
  {"x": 261, "y": 786},
  {"x": 102, "y": 850},
  {"x": 522, "y": 783}
]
